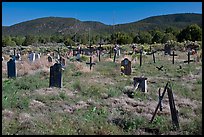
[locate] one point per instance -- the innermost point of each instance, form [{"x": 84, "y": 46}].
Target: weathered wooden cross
[
  {"x": 188, "y": 59},
  {"x": 91, "y": 63},
  {"x": 173, "y": 56},
  {"x": 174, "y": 112},
  {"x": 99, "y": 48}
]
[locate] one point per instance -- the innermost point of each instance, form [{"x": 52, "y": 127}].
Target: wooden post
[
  {"x": 153, "y": 56},
  {"x": 174, "y": 114},
  {"x": 188, "y": 57},
  {"x": 173, "y": 58},
  {"x": 140, "y": 58},
  {"x": 160, "y": 99},
  {"x": 99, "y": 56},
  {"x": 159, "y": 102},
  {"x": 115, "y": 52},
  {"x": 14, "y": 52},
  {"x": 110, "y": 52}
]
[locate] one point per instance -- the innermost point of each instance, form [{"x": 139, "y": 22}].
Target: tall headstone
[
  {"x": 56, "y": 75},
  {"x": 127, "y": 66},
  {"x": 11, "y": 68},
  {"x": 140, "y": 83},
  {"x": 167, "y": 49}
]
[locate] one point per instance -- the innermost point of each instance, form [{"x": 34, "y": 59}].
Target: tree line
[{"x": 192, "y": 33}]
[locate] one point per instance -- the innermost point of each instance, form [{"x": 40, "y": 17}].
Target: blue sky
[{"x": 106, "y": 12}]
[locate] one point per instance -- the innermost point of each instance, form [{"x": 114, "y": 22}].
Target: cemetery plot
[{"x": 95, "y": 102}]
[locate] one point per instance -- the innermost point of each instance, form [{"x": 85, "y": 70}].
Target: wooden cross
[
  {"x": 159, "y": 102},
  {"x": 91, "y": 63},
  {"x": 173, "y": 56},
  {"x": 160, "y": 68},
  {"x": 188, "y": 59},
  {"x": 174, "y": 112},
  {"x": 99, "y": 48}
]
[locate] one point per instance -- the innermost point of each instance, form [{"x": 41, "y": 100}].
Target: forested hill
[{"x": 59, "y": 25}]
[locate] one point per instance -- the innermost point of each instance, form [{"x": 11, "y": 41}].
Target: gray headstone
[
  {"x": 127, "y": 66},
  {"x": 56, "y": 75},
  {"x": 11, "y": 68},
  {"x": 167, "y": 49}
]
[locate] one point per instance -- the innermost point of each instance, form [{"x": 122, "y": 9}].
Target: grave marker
[
  {"x": 11, "y": 68},
  {"x": 174, "y": 112},
  {"x": 31, "y": 56},
  {"x": 160, "y": 100},
  {"x": 140, "y": 58},
  {"x": 56, "y": 75},
  {"x": 153, "y": 56},
  {"x": 115, "y": 52},
  {"x": 167, "y": 49},
  {"x": 99, "y": 48},
  {"x": 188, "y": 59},
  {"x": 127, "y": 66},
  {"x": 49, "y": 59},
  {"x": 91, "y": 63},
  {"x": 63, "y": 61},
  {"x": 141, "y": 83},
  {"x": 173, "y": 57}
]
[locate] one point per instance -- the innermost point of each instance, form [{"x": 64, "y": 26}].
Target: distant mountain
[{"x": 59, "y": 25}]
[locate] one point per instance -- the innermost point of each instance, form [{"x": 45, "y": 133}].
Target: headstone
[
  {"x": 49, "y": 59},
  {"x": 141, "y": 83},
  {"x": 56, "y": 75},
  {"x": 18, "y": 57},
  {"x": 37, "y": 56},
  {"x": 31, "y": 56},
  {"x": 127, "y": 66},
  {"x": 167, "y": 49},
  {"x": 78, "y": 56},
  {"x": 11, "y": 68},
  {"x": 118, "y": 50},
  {"x": 63, "y": 61}
]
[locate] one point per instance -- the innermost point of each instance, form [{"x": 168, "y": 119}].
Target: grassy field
[{"x": 95, "y": 102}]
